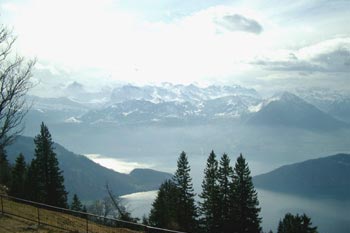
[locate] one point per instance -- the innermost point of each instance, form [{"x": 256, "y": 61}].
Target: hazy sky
[{"x": 262, "y": 44}]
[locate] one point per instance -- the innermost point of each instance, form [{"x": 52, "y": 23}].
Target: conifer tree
[
  {"x": 210, "y": 205},
  {"x": 48, "y": 177},
  {"x": 296, "y": 224},
  {"x": 187, "y": 210},
  {"x": 225, "y": 175},
  {"x": 164, "y": 208},
  {"x": 244, "y": 200},
  {"x": 18, "y": 177},
  {"x": 5, "y": 169},
  {"x": 31, "y": 184},
  {"x": 76, "y": 204}
]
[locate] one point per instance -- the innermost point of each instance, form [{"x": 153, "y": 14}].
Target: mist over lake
[
  {"x": 212, "y": 97},
  {"x": 264, "y": 147}
]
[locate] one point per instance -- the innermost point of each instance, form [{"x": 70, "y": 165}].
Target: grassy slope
[
  {"x": 68, "y": 222},
  {"x": 10, "y": 224}
]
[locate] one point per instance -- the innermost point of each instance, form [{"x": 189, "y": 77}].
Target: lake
[{"x": 330, "y": 216}]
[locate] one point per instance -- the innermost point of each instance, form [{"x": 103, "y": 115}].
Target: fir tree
[
  {"x": 5, "y": 169},
  {"x": 225, "y": 176},
  {"x": 296, "y": 224},
  {"x": 187, "y": 211},
  {"x": 210, "y": 207},
  {"x": 76, "y": 204},
  {"x": 48, "y": 176},
  {"x": 245, "y": 202},
  {"x": 31, "y": 184},
  {"x": 18, "y": 178},
  {"x": 164, "y": 208}
]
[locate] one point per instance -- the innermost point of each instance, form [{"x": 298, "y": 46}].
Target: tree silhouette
[
  {"x": 164, "y": 208},
  {"x": 18, "y": 178},
  {"x": 46, "y": 175},
  {"x": 244, "y": 204},
  {"x": 187, "y": 210},
  {"x": 210, "y": 205},
  {"x": 76, "y": 204},
  {"x": 296, "y": 224},
  {"x": 15, "y": 73},
  {"x": 225, "y": 175}
]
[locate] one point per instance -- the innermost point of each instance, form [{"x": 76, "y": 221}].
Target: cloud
[
  {"x": 238, "y": 22},
  {"x": 139, "y": 46},
  {"x": 326, "y": 56}
]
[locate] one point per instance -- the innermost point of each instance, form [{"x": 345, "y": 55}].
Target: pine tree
[
  {"x": 210, "y": 206},
  {"x": 164, "y": 208},
  {"x": 244, "y": 200},
  {"x": 187, "y": 210},
  {"x": 18, "y": 178},
  {"x": 48, "y": 176},
  {"x": 296, "y": 224},
  {"x": 5, "y": 169},
  {"x": 76, "y": 204},
  {"x": 225, "y": 176},
  {"x": 33, "y": 191}
]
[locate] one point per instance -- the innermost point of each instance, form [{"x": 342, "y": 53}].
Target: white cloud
[
  {"x": 82, "y": 34},
  {"x": 326, "y": 56},
  {"x": 191, "y": 47}
]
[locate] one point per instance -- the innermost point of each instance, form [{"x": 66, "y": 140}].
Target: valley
[{"x": 142, "y": 131}]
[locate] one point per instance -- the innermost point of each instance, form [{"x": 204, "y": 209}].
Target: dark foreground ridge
[
  {"x": 323, "y": 177},
  {"x": 88, "y": 179}
]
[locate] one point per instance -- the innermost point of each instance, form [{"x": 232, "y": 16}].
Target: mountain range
[
  {"x": 129, "y": 104},
  {"x": 326, "y": 177},
  {"x": 153, "y": 123},
  {"x": 88, "y": 179}
]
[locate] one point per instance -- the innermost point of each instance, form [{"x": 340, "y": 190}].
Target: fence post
[
  {"x": 38, "y": 215},
  {"x": 87, "y": 223},
  {"x": 2, "y": 206},
  {"x": 146, "y": 229}
]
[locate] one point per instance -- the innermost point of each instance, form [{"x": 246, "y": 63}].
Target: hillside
[
  {"x": 24, "y": 216},
  {"x": 323, "y": 177},
  {"x": 88, "y": 179},
  {"x": 9, "y": 224}
]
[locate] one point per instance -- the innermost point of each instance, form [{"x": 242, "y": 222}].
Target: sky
[{"x": 268, "y": 44}]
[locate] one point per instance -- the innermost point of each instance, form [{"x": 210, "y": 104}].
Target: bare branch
[{"x": 15, "y": 74}]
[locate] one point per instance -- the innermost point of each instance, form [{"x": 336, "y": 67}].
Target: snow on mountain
[
  {"x": 288, "y": 110},
  {"x": 180, "y": 93},
  {"x": 321, "y": 97},
  {"x": 72, "y": 120},
  {"x": 168, "y": 102},
  {"x": 333, "y": 102},
  {"x": 131, "y": 103}
]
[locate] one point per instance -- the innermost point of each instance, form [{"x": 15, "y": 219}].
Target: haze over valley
[
  {"x": 153, "y": 124},
  {"x": 124, "y": 88}
]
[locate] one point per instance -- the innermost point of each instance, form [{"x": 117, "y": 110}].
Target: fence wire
[{"x": 69, "y": 220}]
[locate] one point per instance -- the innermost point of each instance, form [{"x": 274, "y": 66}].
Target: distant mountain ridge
[
  {"x": 168, "y": 103},
  {"x": 88, "y": 179},
  {"x": 323, "y": 177},
  {"x": 130, "y": 104},
  {"x": 287, "y": 109},
  {"x": 168, "y": 92}
]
